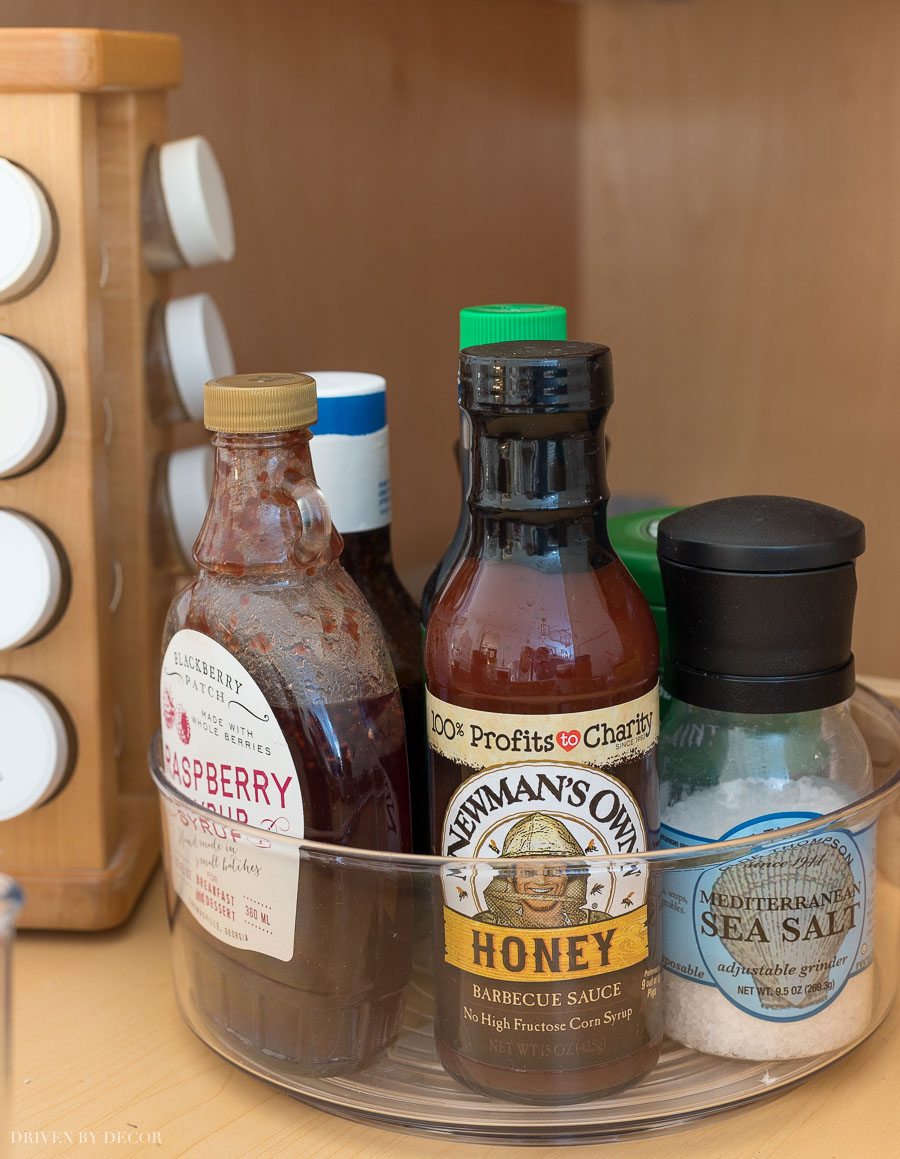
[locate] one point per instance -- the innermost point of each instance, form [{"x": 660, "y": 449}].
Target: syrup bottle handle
[{"x": 312, "y": 543}]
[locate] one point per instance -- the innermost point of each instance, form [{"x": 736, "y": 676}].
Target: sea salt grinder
[{"x": 760, "y": 592}]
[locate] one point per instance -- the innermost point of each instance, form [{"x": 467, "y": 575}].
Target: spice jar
[
  {"x": 185, "y": 211},
  {"x": 31, "y": 405},
  {"x": 34, "y": 580},
  {"x": 769, "y": 956},
  {"x": 187, "y": 345},
  {"x": 180, "y": 497},
  {"x": 38, "y": 743},
  {"x": 28, "y": 231}
]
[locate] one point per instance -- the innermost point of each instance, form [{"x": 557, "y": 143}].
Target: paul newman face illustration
[{"x": 533, "y": 894}]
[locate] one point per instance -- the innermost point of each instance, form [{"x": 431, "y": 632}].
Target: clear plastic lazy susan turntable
[{"x": 344, "y": 1018}]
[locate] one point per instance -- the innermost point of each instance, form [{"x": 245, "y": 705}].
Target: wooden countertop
[{"x": 99, "y": 1046}]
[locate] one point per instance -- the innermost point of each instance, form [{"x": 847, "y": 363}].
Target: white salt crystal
[
  {"x": 702, "y": 1018},
  {"x": 717, "y": 808}
]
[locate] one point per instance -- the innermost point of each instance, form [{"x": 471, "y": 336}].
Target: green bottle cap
[
  {"x": 633, "y": 537},
  {"x": 508, "y": 322}
]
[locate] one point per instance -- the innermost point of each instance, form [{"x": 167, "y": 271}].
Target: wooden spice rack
[{"x": 79, "y": 109}]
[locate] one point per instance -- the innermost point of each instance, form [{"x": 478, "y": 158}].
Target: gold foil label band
[{"x": 552, "y": 955}]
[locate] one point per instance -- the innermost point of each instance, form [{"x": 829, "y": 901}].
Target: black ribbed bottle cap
[
  {"x": 760, "y": 592},
  {"x": 537, "y": 376}
]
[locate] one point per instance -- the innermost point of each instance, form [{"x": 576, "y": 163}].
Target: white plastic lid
[
  {"x": 190, "y": 475},
  {"x": 349, "y": 448},
  {"x": 30, "y": 579},
  {"x": 198, "y": 347},
  {"x": 35, "y": 748},
  {"x": 343, "y": 383},
  {"x": 26, "y": 230},
  {"x": 29, "y": 404},
  {"x": 196, "y": 201}
]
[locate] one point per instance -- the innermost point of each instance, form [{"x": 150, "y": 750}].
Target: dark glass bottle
[
  {"x": 541, "y": 671},
  {"x": 350, "y": 456},
  {"x": 280, "y": 710},
  {"x": 504, "y": 322}
]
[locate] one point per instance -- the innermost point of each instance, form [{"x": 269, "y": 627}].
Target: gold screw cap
[{"x": 259, "y": 403}]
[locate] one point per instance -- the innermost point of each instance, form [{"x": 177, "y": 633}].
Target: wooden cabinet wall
[
  {"x": 711, "y": 186},
  {"x": 739, "y": 249},
  {"x": 388, "y": 162}
]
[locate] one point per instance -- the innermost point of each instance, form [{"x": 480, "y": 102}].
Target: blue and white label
[
  {"x": 354, "y": 474},
  {"x": 780, "y": 932},
  {"x": 349, "y": 448}
]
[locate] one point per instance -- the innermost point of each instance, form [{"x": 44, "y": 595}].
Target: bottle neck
[
  {"x": 537, "y": 490},
  {"x": 265, "y": 511},
  {"x": 368, "y": 552}
]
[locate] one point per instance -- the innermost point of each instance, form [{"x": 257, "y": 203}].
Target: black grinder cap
[
  {"x": 539, "y": 376},
  {"x": 760, "y": 591}
]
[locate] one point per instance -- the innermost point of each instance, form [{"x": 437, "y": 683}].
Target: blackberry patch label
[{"x": 223, "y": 749}]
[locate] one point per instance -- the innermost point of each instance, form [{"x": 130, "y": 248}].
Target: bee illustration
[
  {"x": 591, "y": 846},
  {"x": 462, "y": 892},
  {"x": 626, "y": 900},
  {"x": 596, "y": 888},
  {"x": 493, "y": 845}
]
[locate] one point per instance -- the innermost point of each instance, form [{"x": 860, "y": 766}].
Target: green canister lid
[
  {"x": 633, "y": 537},
  {"x": 510, "y": 322}
]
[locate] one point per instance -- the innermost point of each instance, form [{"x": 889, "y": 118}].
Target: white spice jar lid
[
  {"x": 26, "y": 230},
  {"x": 196, "y": 201},
  {"x": 29, "y": 404},
  {"x": 189, "y": 479},
  {"x": 31, "y": 585},
  {"x": 198, "y": 347},
  {"x": 35, "y": 748}
]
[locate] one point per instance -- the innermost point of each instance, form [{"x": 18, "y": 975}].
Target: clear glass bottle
[
  {"x": 768, "y": 958},
  {"x": 280, "y": 708},
  {"x": 503, "y": 322},
  {"x": 541, "y": 661},
  {"x": 350, "y": 455}
]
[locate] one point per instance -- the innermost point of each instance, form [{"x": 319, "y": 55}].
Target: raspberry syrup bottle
[
  {"x": 541, "y": 673},
  {"x": 280, "y": 710}
]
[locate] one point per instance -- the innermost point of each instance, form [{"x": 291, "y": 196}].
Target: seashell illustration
[{"x": 791, "y": 907}]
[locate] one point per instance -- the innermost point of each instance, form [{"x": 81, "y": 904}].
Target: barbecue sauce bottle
[
  {"x": 542, "y": 718},
  {"x": 280, "y": 710}
]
